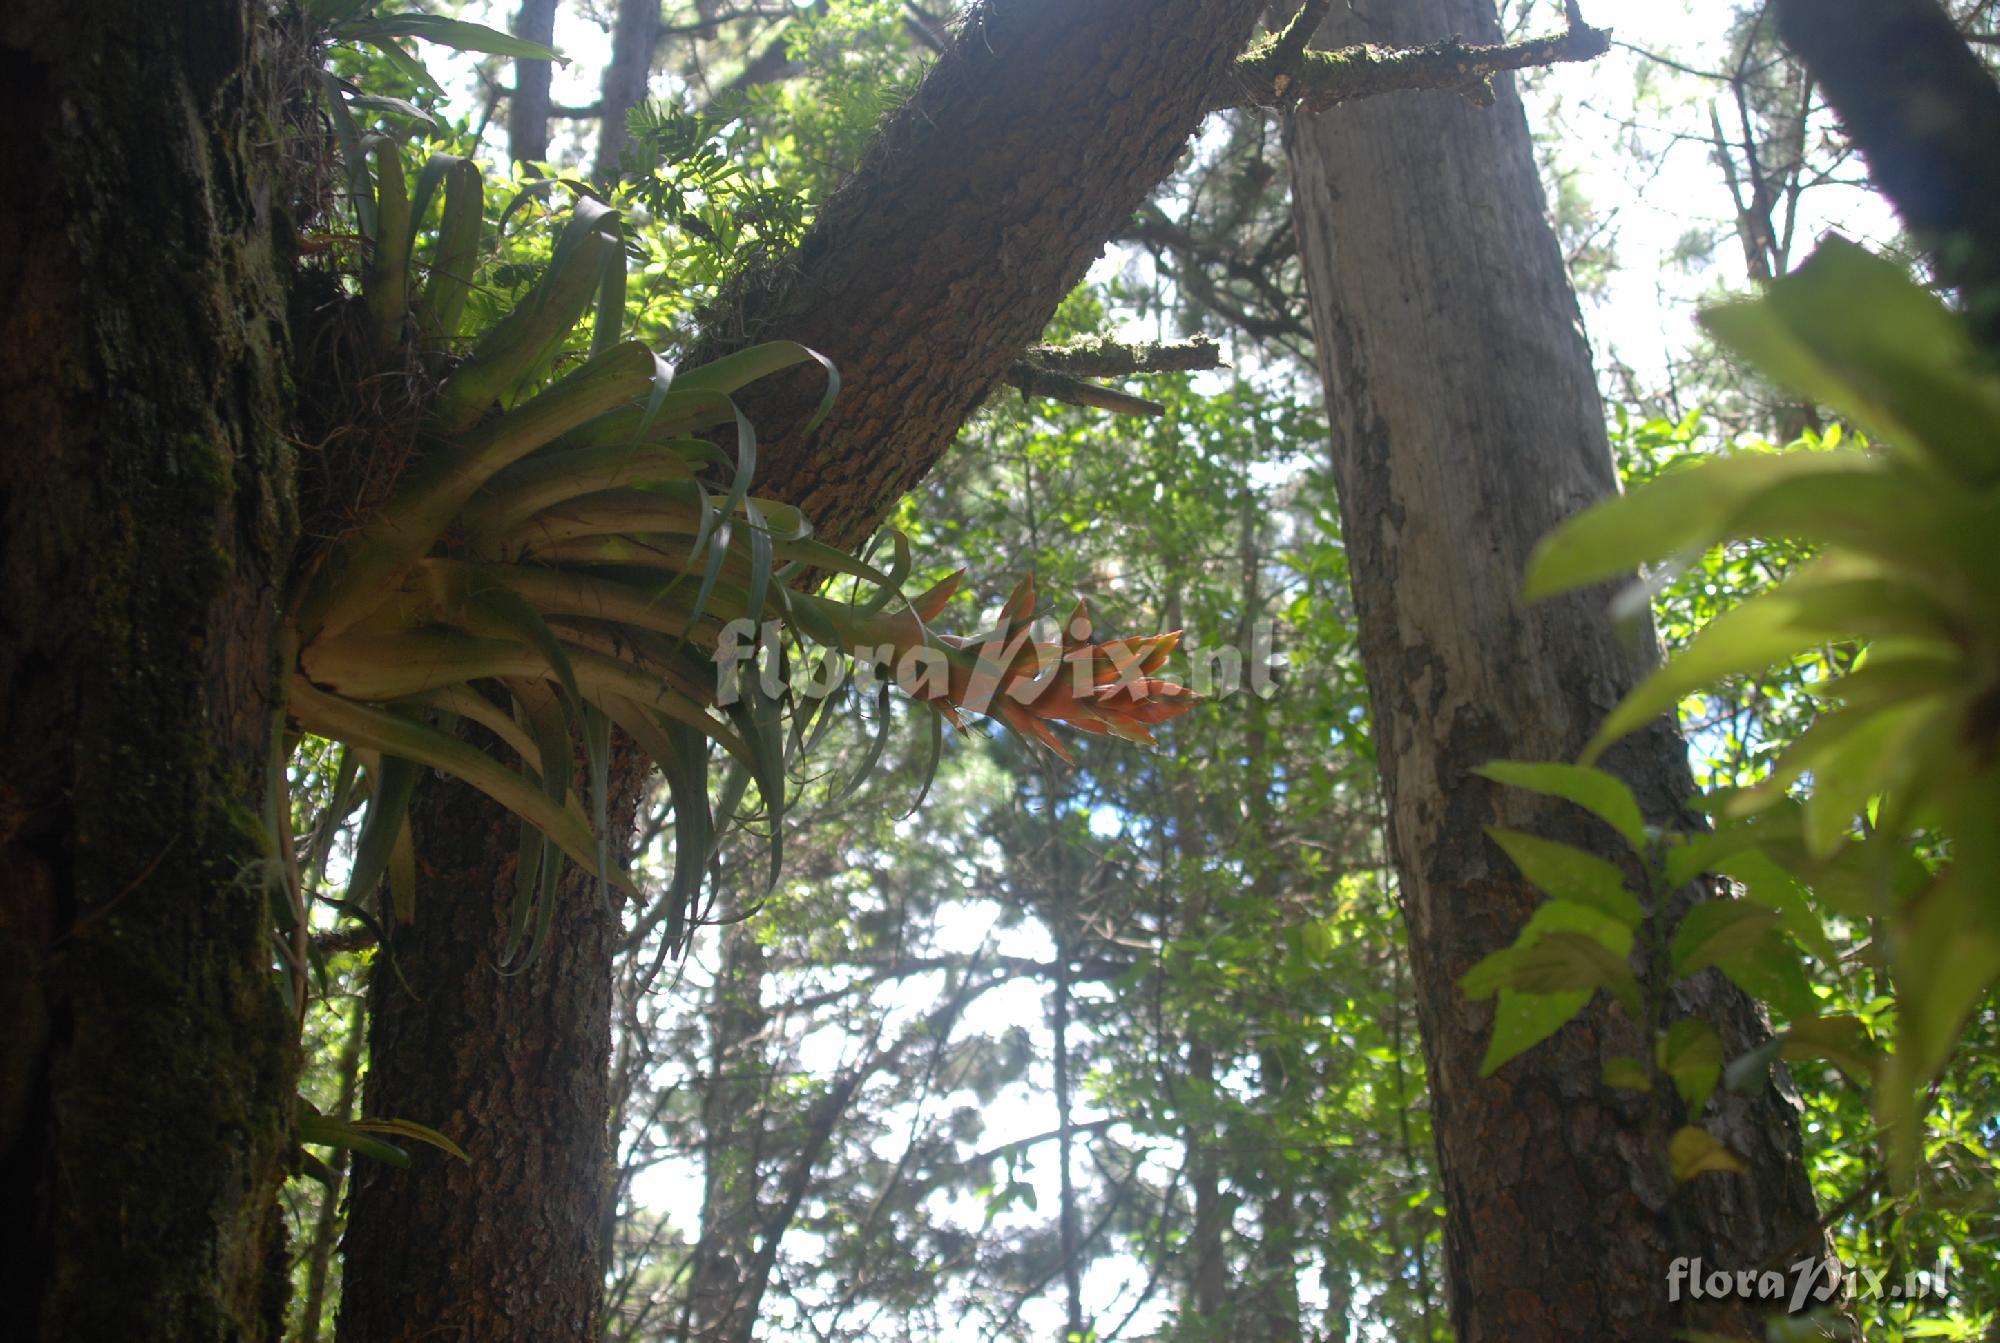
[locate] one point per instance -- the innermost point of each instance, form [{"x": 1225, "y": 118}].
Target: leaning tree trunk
[
  {"x": 146, "y": 1057},
  {"x": 981, "y": 206},
  {"x": 1466, "y": 424}
]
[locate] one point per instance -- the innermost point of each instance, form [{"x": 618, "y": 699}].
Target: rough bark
[
  {"x": 146, "y": 1059},
  {"x": 981, "y": 204},
  {"x": 1466, "y": 423},
  {"x": 635, "y": 36},
  {"x": 1926, "y": 113},
  {"x": 528, "y": 108},
  {"x": 513, "y": 1068}
]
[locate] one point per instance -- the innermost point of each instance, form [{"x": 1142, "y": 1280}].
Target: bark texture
[
  {"x": 146, "y": 1059},
  {"x": 1466, "y": 424},
  {"x": 1926, "y": 113},
  {"x": 980, "y": 205},
  {"x": 512, "y": 1067}
]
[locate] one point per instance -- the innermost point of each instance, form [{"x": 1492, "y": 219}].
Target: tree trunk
[
  {"x": 528, "y": 108},
  {"x": 735, "y": 1116},
  {"x": 979, "y": 207},
  {"x": 1466, "y": 424},
  {"x": 982, "y": 204},
  {"x": 510, "y": 1066},
  {"x": 147, "y": 1059},
  {"x": 635, "y": 36}
]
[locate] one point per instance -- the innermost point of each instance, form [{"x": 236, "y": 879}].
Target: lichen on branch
[
  {"x": 1279, "y": 73},
  {"x": 1061, "y": 371}
]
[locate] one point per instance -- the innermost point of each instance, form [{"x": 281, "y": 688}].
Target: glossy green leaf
[
  {"x": 1715, "y": 931},
  {"x": 1849, "y": 330},
  {"x": 1523, "y": 1020},
  {"x": 1685, "y": 510},
  {"x": 1568, "y": 873},
  {"x": 1691, "y": 1054},
  {"x": 1604, "y": 795},
  {"x": 1768, "y": 628}
]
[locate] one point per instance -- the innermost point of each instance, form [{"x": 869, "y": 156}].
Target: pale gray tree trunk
[
  {"x": 1465, "y": 424},
  {"x": 528, "y": 110},
  {"x": 635, "y": 37}
]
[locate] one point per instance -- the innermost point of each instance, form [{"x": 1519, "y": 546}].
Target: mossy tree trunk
[
  {"x": 1466, "y": 424},
  {"x": 981, "y": 206},
  {"x": 147, "y": 1058}
]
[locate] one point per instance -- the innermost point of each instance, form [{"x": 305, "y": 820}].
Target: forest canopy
[{"x": 1101, "y": 669}]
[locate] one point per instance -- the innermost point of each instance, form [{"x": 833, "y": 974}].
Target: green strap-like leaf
[
  {"x": 522, "y": 340},
  {"x": 1565, "y": 872},
  {"x": 457, "y": 34},
  {"x": 385, "y": 284},
  {"x": 456, "y": 255},
  {"x": 378, "y": 729},
  {"x": 368, "y": 568},
  {"x": 388, "y": 807},
  {"x": 546, "y": 480}
]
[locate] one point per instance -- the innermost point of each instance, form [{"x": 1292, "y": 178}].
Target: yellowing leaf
[{"x": 1693, "y": 1151}]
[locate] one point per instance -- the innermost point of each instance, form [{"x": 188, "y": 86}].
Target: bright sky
[{"x": 1649, "y": 307}]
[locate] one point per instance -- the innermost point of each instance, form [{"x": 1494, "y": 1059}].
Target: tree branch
[
  {"x": 1313, "y": 81},
  {"x": 1102, "y": 357},
  {"x": 1059, "y": 372}
]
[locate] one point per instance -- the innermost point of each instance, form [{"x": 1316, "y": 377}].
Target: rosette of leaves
[
  {"x": 563, "y": 552},
  {"x": 1885, "y": 813}
]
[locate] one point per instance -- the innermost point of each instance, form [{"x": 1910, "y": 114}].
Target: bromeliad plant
[
  {"x": 564, "y": 551},
  {"x": 1897, "y": 838}
]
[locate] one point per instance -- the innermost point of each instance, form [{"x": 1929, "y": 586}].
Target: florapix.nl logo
[{"x": 1817, "y": 1280}]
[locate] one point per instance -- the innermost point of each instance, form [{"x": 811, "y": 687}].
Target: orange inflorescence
[{"x": 1106, "y": 688}]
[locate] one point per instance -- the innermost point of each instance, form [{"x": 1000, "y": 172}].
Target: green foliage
[
  {"x": 1864, "y": 844},
  {"x": 365, "y": 23},
  {"x": 569, "y": 556}
]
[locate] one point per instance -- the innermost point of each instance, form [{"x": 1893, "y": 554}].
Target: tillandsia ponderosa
[{"x": 558, "y": 558}]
